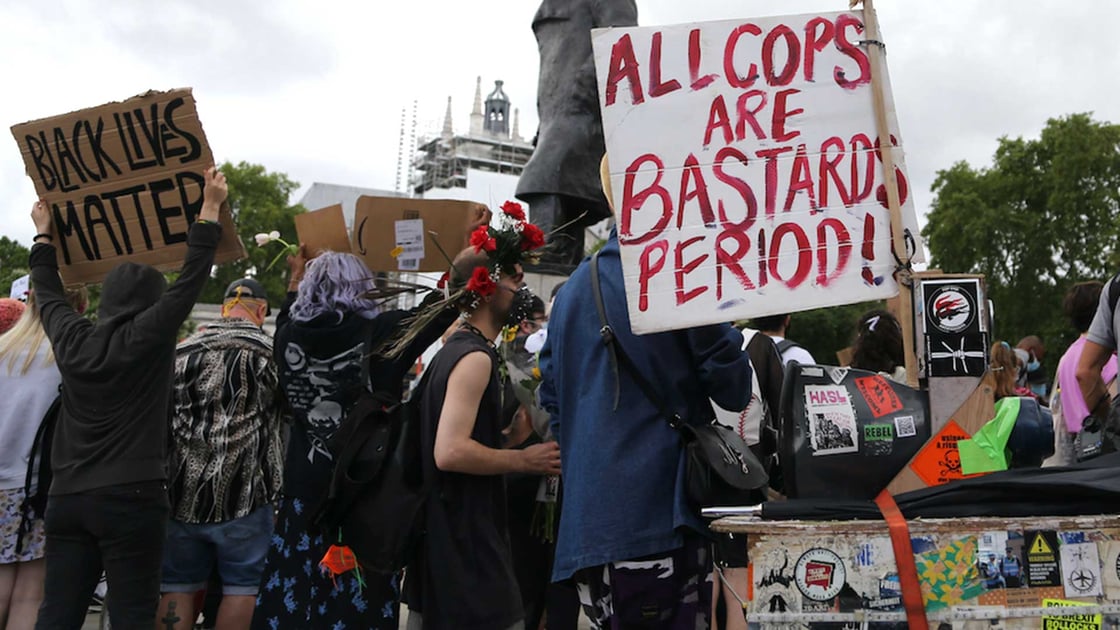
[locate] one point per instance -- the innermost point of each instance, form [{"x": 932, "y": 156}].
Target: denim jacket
[{"x": 623, "y": 467}]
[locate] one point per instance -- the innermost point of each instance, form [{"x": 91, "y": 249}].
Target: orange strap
[{"x": 904, "y": 559}]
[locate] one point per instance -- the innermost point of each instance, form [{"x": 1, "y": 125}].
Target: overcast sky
[{"x": 316, "y": 89}]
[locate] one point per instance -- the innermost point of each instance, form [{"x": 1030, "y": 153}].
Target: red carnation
[
  {"x": 531, "y": 237},
  {"x": 481, "y": 239},
  {"x": 443, "y": 280},
  {"x": 481, "y": 282},
  {"x": 513, "y": 210}
]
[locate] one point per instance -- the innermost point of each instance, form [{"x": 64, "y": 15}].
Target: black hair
[
  {"x": 770, "y": 323},
  {"x": 1080, "y": 304},
  {"x": 878, "y": 342}
]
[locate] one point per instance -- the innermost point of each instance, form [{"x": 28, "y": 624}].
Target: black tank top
[{"x": 463, "y": 578}]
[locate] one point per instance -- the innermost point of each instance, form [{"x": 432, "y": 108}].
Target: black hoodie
[{"x": 117, "y": 373}]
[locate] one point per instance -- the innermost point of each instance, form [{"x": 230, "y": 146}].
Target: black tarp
[{"x": 1091, "y": 487}]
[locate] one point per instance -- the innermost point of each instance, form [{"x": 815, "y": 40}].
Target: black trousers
[{"x": 119, "y": 530}]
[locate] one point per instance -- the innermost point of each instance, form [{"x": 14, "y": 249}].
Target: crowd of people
[{"x": 178, "y": 467}]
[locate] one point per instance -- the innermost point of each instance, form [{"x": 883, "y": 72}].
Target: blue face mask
[{"x": 1033, "y": 366}]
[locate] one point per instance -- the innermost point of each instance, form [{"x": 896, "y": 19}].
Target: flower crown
[{"x": 511, "y": 241}]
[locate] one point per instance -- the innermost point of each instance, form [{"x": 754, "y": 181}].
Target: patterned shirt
[{"x": 226, "y": 455}]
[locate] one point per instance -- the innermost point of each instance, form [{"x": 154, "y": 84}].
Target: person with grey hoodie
[{"x": 108, "y": 508}]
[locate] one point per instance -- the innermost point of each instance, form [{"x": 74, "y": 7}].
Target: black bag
[
  {"x": 38, "y": 472},
  {"x": 377, "y": 492},
  {"x": 720, "y": 468},
  {"x": 1101, "y": 436}
]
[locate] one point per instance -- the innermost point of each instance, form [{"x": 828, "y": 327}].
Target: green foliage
[
  {"x": 1040, "y": 218},
  {"x": 259, "y": 200},
  {"x": 13, "y": 263}
]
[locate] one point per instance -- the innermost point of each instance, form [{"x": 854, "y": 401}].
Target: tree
[
  {"x": 13, "y": 263},
  {"x": 259, "y": 200},
  {"x": 1040, "y": 218}
]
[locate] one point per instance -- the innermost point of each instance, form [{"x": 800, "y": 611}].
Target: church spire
[
  {"x": 516, "y": 134},
  {"x": 476, "y": 112},
  {"x": 448, "y": 129}
]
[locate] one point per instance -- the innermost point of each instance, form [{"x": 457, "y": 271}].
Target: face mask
[
  {"x": 520, "y": 309},
  {"x": 1034, "y": 365}
]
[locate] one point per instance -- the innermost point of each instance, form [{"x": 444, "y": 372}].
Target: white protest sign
[
  {"x": 744, "y": 168},
  {"x": 20, "y": 287}
]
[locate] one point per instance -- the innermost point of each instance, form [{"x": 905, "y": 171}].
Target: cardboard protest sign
[
  {"x": 396, "y": 234},
  {"x": 323, "y": 230},
  {"x": 745, "y": 168},
  {"x": 123, "y": 182}
]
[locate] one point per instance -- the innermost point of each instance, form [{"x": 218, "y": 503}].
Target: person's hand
[
  {"x": 541, "y": 459},
  {"x": 297, "y": 264},
  {"x": 480, "y": 215},
  {"x": 41, "y": 215},
  {"x": 519, "y": 429},
  {"x": 213, "y": 194}
]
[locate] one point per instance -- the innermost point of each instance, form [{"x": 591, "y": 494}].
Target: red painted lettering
[
  {"x": 747, "y": 115},
  {"x": 827, "y": 172},
  {"x": 730, "y": 260},
  {"x": 647, "y": 268},
  {"x": 781, "y": 113},
  {"x": 852, "y": 50},
  {"x": 683, "y": 269},
  {"x": 697, "y": 82},
  {"x": 771, "y": 156},
  {"x": 793, "y": 55},
  {"x": 867, "y": 250},
  {"x": 843, "y": 250},
  {"x": 800, "y": 180},
  {"x": 733, "y": 76},
  {"x": 819, "y": 33},
  {"x": 699, "y": 192},
  {"x": 740, "y": 186},
  {"x": 718, "y": 119},
  {"x": 624, "y": 66},
  {"x": 804, "y": 254},
  {"x": 632, "y": 202},
  {"x": 861, "y": 147},
  {"x": 656, "y": 86}
]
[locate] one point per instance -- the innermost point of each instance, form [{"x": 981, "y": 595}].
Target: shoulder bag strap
[{"x": 618, "y": 355}]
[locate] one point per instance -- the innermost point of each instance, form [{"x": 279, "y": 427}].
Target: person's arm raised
[
  {"x": 56, "y": 314},
  {"x": 173, "y": 308},
  {"x": 457, "y": 451}
]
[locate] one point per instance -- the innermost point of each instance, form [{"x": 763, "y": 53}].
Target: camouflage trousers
[{"x": 667, "y": 591}]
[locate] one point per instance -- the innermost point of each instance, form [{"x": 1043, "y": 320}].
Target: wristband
[
  {"x": 43, "y": 235},
  {"x": 205, "y": 222}
]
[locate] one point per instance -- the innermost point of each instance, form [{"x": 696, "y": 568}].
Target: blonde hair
[
  {"x": 26, "y": 337},
  {"x": 1002, "y": 370}
]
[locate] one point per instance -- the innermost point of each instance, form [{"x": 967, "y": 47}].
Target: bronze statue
[{"x": 561, "y": 181}]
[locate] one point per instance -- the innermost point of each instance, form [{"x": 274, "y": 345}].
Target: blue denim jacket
[{"x": 623, "y": 468}]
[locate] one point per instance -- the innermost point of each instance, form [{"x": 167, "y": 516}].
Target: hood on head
[{"x": 130, "y": 288}]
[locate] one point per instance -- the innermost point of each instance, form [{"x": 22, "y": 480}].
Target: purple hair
[{"x": 335, "y": 283}]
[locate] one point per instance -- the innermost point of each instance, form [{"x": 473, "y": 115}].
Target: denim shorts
[{"x": 237, "y": 547}]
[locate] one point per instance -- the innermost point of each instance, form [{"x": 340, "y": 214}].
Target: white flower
[
  {"x": 263, "y": 239},
  {"x": 535, "y": 341},
  {"x": 274, "y": 235}
]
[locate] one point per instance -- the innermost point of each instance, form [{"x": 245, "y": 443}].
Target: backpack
[
  {"x": 786, "y": 344},
  {"x": 756, "y": 423},
  {"x": 749, "y": 422},
  {"x": 38, "y": 472},
  {"x": 377, "y": 493}
]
